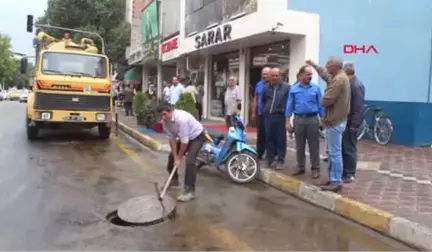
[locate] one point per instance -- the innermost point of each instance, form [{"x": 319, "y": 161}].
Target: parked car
[
  {"x": 13, "y": 95},
  {"x": 23, "y": 97},
  {"x": 4, "y": 94}
]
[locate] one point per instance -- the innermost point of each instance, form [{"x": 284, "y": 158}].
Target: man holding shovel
[{"x": 186, "y": 136}]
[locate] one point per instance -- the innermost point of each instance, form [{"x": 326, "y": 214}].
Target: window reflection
[
  {"x": 274, "y": 55},
  {"x": 171, "y": 17},
  {"x": 202, "y": 13},
  {"x": 74, "y": 64},
  {"x": 223, "y": 67}
]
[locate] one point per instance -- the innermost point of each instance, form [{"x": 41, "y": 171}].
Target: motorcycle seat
[{"x": 216, "y": 134}]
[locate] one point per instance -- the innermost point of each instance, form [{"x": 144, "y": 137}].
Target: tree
[
  {"x": 187, "y": 103},
  {"x": 105, "y": 17},
  {"x": 7, "y": 63},
  {"x": 20, "y": 80}
]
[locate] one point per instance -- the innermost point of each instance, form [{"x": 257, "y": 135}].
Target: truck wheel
[
  {"x": 32, "y": 131},
  {"x": 104, "y": 131}
]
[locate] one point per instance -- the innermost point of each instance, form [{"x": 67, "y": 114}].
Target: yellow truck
[{"x": 71, "y": 87}]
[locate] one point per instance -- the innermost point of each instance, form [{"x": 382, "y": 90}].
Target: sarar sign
[
  {"x": 360, "y": 49},
  {"x": 212, "y": 37}
]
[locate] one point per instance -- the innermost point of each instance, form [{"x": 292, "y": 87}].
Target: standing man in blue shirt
[
  {"x": 257, "y": 107},
  {"x": 304, "y": 101},
  {"x": 274, "y": 99}
]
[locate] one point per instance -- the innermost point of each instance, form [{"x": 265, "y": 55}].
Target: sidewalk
[{"x": 394, "y": 180}]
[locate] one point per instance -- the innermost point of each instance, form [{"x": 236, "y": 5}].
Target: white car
[
  {"x": 3, "y": 94},
  {"x": 23, "y": 97}
]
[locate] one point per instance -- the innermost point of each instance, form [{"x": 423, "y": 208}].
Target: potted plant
[
  {"x": 187, "y": 103},
  {"x": 145, "y": 110}
]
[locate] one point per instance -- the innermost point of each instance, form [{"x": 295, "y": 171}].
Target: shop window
[
  {"x": 171, "y": 17},
  {"x": 273, "y": 55},
  {"x": 202, "y": 13},
  {"x": 223, "y": 66}
]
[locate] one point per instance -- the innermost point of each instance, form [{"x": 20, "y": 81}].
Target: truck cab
[{"x": 71, "y": 89}]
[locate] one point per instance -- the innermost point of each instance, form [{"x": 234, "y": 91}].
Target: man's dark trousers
[
  {"x": 275, "y": 137},
  {"x": 306, "y": 128},
  {"x": 261, "y": 137},
  {"x": 128, "y": 108},
  {"x": 193, "y": 148},
  {"x": 349, "y": 153}
]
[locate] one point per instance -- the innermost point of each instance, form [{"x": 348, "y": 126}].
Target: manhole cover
[{"x": 146, "y": 209}]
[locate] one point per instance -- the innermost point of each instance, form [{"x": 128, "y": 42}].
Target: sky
[{"x": 13, "y": 22}]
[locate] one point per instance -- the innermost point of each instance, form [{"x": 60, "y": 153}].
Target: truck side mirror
[
  {"x": 23, "y": 65},
  {"x": 30, "y": 23}
]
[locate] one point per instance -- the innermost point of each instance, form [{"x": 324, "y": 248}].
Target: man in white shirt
[
  {"x": 192, "y": 90},
  {"x": 166, "y": 92},
  {"x": 176, "y": 90},
  {"x": 186, "y": 135},
  {"x": 232, "y": 101}
]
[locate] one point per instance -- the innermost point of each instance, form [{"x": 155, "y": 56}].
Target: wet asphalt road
[{"x": 55, "y": 194}]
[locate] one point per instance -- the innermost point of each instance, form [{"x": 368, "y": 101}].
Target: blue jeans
[{"x": 334, "y": 152}]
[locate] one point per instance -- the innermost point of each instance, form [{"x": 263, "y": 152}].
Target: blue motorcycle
[{"x": 239, "y": 158}]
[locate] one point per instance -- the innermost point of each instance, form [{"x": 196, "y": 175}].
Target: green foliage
[
  {"x": 186, "y": 102},
  {"x": 145, "y": 109},
  {"x": 8, "y": 64},
  {"x": 105, "y": 17},
  {"x": 20, "y": 80}
]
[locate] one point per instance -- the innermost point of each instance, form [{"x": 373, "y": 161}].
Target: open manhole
[
  {"x": 143, "y": 211},
  {"x": 114, "y": 219}
]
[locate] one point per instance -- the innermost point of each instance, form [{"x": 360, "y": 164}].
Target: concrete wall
[{"x": 398, "y": 77}]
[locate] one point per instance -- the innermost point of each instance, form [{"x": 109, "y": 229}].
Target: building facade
[
  {"x": 397, "y": 76},
  {"x": 210, "y": 40}
]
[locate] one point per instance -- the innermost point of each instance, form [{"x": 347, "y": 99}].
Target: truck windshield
[{"x": 74, "y": 65}]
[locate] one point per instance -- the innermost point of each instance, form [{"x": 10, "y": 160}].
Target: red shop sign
[{"x": 170, "y": 45}]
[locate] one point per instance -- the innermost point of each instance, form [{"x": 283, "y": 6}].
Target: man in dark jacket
[
  {"x": 274, "y": 99},
  {"x": 355, "y": 117}
]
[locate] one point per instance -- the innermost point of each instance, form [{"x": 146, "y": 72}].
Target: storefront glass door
[{"x": 223, "y": 66}]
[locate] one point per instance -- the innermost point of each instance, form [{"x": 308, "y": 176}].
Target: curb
[{"x": 409, "y": 232}]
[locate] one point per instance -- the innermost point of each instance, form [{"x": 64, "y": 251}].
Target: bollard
[
  {"x": 116, "y": 118},
  {"x": 116, "y": 126}
]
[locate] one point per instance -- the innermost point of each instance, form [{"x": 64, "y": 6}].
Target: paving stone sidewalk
[{"x": 393, "y": 178}]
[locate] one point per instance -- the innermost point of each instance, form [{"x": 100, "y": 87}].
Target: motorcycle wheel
[{"x": 242, "y": 167}]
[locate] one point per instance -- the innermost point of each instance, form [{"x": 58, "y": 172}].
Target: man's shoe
[
  {"x": 315, "y": 174},
  {"x": 324, "y": 183},
  {"x": 186, "y": 196},
  {"x": 349, "y": 180},
  {"x": 299, "y": 172},
  {"x": 271, "y": 164},
  {"x": 280, "y": 166},
  {"x": 332, "y": 187}
]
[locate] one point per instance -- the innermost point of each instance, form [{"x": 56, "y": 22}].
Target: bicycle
[
  {"x": 380, "y": 128},
  {"x": 380, "y": 120}
]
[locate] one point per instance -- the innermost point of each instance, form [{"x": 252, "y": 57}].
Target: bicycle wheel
[
  {"x": 383, "y": 130},
  {"x": 362, "y": 130}
]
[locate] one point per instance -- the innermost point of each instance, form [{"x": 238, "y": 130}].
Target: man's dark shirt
[
  {"x": 355, "y": 116},
  {"x": 274, "y": 99}
]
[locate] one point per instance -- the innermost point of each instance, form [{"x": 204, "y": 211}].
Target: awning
[{"x": 132, "y": 74}]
